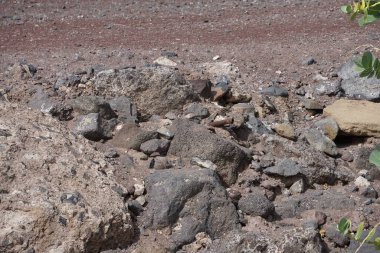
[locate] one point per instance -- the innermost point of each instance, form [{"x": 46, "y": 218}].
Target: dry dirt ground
[{"x": 259, "y": 37}]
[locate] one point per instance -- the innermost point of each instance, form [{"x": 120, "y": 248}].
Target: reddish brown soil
[{"x": 260, "y": 37}]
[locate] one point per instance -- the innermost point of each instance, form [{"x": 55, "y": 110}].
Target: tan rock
[
  {"x": 285, "y": 130},
  {"x": 165, "y": 62},
  {"x": 355, "y": 117}
]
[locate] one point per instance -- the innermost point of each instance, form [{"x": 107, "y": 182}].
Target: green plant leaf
[
  {"x": 367, "y": 60},
  {"x": 359, "y": 63},
  {"x": 378, "y": 72},
  {"x": 376, "y": 242},
  {"x": 359, "y": 232},
  {"x": 376, "y": 64},
  {"x": 374, "y": 157},
  {"x": 366, "y": 72},
  {"x": 370, "y": 235},
  {"x": 353, "y": 16},
  {"x": 367, "y": 19},
  {"x": 344, "y": 226},
  {"x": 346, "y": 9}
]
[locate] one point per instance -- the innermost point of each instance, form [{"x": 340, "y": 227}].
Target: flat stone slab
[{"x": 355, "y": 117}]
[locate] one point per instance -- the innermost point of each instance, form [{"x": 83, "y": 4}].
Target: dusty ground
[{"x": 259, "y": 37}]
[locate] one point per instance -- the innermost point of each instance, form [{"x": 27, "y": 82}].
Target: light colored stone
[
  {"x": 203, "y": 163},
  {"x": 298, "y": 187},
  {"x": 165, "y": 62},
  {"x": 362, "y": 182},
  {"x": 285, "y": 130},
  {"x": 320, "y": 142},
  {"x": 139, "y": 189},
  {"x": 329, "y": 127},
  {"x": 57, "y": 190},
  {"x": 141, "y": 200},
  {"x": 355, "y": 117}
]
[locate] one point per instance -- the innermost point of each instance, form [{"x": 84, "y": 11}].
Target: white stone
[
  {"x": 141, "y": 200},
  {"x": 139, "y": 189},
  {"x": 165, "y": 62},
  {"x": 362, "y": 182}
]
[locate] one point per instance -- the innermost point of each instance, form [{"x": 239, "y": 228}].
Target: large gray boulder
[
  {"x": 155, "y": 90},
  {"x": 56, "y": 190},
  {"x": 357, "y": 87},
  {"x": 193, "y": 140},
  {"x": 189, "y": 201}
]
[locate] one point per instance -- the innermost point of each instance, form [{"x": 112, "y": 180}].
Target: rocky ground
[{"x": 184, "y": 126}]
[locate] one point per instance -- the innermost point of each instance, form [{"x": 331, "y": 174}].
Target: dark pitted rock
[
  {"x": 196, "y": 110},
  {"x": 125, "y": 109},
  {"x": 309, "y": 61},
  {"x": 72, "y": 198},
  {"x": 329, "y": 127},
  {"x": 135, "y": 207},
  {"x": 192, "y": 201},
  {"x": 201, "y": 87},
  {"x": 165, "y": 132},
  {"x": 370, "y": 192},
  {"x": 68, "y": 81},
  {"x": 89, "y": 126},
  {"x": 131, "y": 136},
  {"x": 155, "y": 90},
  {"x": 320, "y": 142},
  {"x": 256, "y": 204},
  {"x": 286, "y": 168},
  {"x": 220, "y": 89},
  {"x": 356, "y": 87},
  {"x": 93, "y": 104},
  {"x": 294, "y": 205},
  {"x": 361, "y": 162},
  {"x": 333, "y": 234},
  {"x": 169, "y": 54},
  {"x": 256, "y": 125},
  {"x": 275, "y": 91},
  {"x": 160, "y": 146},
  {"x": 193, "y": 140}
]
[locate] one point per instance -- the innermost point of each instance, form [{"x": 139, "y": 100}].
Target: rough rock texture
[
  {"x": 256, "y": 204},
  {"x": 321, "y": 142},
  {"x": 189, "y": 201},
  {"x": 55, "y": 190},
  {"x": 356, "y": 87},
  {"x": 154, "y": 90},
  {"x": 329, "y": 127},
  {"x": 132, "y": 136},
  {"x": 294, "y": 240},
  {"x": 193, "y": 140},
  {"x": 357, "y": 118}
]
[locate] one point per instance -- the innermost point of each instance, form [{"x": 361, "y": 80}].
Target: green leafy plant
[
  {"x": 368, "y": 66},
  {"x": 374, "y": 157},
  {"x": 344, "y": 227},
  {"x": 369, "y": 11}
]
